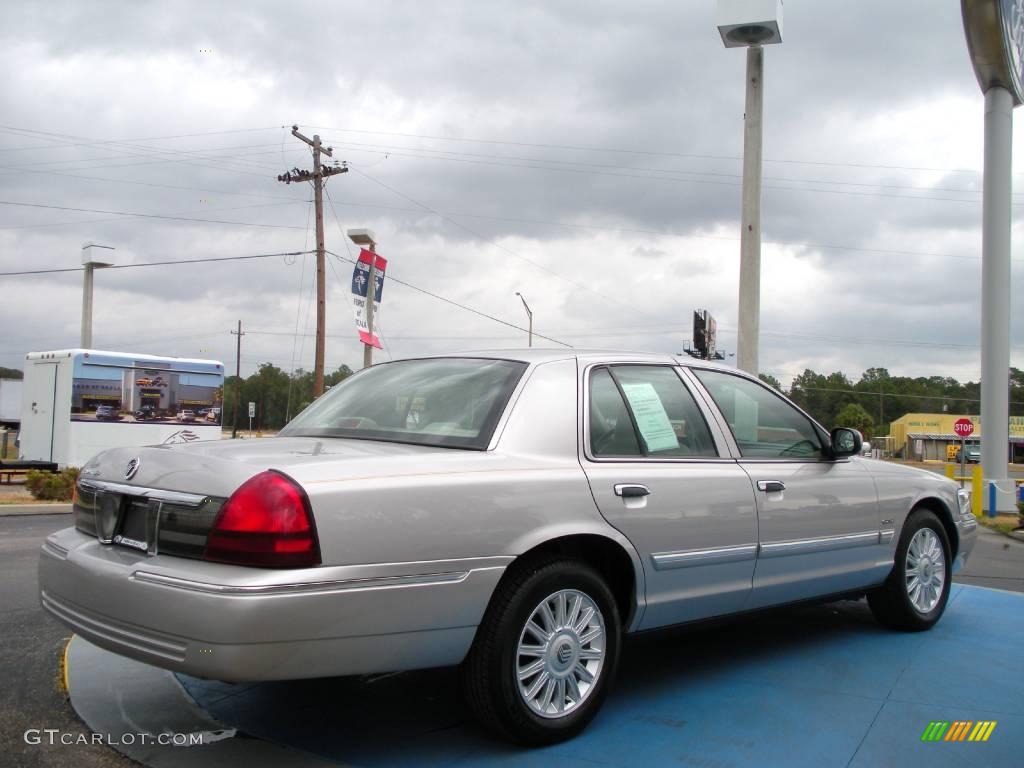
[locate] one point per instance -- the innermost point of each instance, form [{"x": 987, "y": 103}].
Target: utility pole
[
  {"x": 238, "y": 379},
  {"x": 316, "y": 177}
]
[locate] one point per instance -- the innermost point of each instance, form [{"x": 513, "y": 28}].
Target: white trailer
[
  {"x": 78, "y": 402},
  {"x": 10, "y": 401}
]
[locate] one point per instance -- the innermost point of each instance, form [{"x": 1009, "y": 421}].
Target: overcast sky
[{"x": 583, "y": 153}]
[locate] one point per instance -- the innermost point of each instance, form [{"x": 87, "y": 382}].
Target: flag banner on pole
[{"x": 360, "y": 284}]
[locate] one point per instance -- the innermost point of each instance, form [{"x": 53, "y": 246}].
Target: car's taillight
[{"x": 267, "y": 522}]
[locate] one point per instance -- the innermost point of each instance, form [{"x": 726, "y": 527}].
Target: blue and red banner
[{"x": 360, "y": 285}]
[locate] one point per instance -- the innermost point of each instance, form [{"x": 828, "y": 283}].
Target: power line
[
  {"x": 646, "y": 174},
  {"x": 454, "y": 303},
  {"x": 144, "y": 138},
  {"x": 655, "y": 153},
  {"x": 662, "y": 233},
  {"x": 148, "y": 215},
  {"x": 494, "y": 243},
  {"x": 159, "y": 263}
]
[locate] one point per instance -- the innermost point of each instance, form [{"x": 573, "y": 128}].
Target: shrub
[{"x": 52, "y": 486}]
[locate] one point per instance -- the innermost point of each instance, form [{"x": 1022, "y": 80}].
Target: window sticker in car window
[{"x": 651, "y": 419}]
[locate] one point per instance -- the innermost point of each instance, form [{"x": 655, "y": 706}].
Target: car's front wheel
[
  {"x": 915, "y": 594},
  {"x": 545, "y": 653}
]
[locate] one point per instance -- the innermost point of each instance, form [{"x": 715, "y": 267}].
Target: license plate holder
[{"x": 137, "y": 526}]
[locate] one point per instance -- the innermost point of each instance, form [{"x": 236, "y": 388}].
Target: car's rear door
[
  {"x": 661, "y": 474},
  {"x": 818, "y": 518}
]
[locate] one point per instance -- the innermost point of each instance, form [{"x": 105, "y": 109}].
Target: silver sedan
[{"x": 512, "y": 512}]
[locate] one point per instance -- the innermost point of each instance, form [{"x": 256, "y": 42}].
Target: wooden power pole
[{"x": 316, "y": 177}]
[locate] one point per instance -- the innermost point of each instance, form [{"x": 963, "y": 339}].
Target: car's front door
[
  {"x": 661, "y": 474},
  {"x": 819, "y": 531}
]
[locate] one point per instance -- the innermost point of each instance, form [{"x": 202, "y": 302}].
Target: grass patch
[{"x": 1001, "y": 523}]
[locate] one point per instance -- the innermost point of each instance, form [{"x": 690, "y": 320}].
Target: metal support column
[
  {"x": 750, "y": 217},
  {"x": 995, "y": 292}
]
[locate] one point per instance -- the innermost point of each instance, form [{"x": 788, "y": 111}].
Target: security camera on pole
[
  {"x": 995, "y": 39},
  {"x": 750, "y": 24}
]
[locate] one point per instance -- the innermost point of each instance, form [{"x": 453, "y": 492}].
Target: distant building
[{"x": 926, "y": 435}]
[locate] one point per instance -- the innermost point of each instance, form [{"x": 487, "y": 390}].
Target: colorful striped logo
[{"x": 958, "y": 730}]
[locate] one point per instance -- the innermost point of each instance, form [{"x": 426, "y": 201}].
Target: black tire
[
  {"x": 891, "y": 603},
  {"x": 489, "y": 673}
]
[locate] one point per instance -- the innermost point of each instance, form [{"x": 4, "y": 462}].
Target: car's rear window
[{"x": 448, "y": 402}]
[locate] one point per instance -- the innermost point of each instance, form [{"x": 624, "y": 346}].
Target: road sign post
[
  {"x": 252, "y": 412},
  {"x": 964, "y": 428}
]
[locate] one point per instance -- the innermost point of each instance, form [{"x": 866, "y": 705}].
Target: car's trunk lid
[{"x": 165, "y": 499}]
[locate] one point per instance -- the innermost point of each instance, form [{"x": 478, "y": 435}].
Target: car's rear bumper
[{"x": 233, "y": 623}]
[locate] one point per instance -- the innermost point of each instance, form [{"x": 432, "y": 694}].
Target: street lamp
[
  {"x": 91, "y": 260},
  {"x": 365, "y": 238},
  {"x": 751, "y": 24},
  {"x": 529, "y": 315}
]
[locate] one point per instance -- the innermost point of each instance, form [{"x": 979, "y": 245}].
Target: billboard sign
[
  {"x": 995, "y": 39},
  {"x": 700, "y": 339},
  {"x": 360, "y": 285},
  {"x": 711, "y": 334}
]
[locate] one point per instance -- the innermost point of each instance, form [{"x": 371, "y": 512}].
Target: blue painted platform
[{"x": 816, "y": 687}]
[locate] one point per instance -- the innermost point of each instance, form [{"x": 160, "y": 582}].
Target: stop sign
[{"x": 963, "y": 427}]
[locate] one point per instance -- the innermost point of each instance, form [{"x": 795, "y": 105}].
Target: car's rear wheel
[
  {"x": 545, "y": 653},
  {"x": 915, "y": 594}
]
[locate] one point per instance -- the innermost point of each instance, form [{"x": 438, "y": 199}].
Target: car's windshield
[{"x": 449, "y": 402}]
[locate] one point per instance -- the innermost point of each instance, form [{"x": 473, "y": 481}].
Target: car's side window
[
  {"x": 638, "y": 410},
  {"x": 762, "y": 423},
  {"x": 611, "y": 430}
]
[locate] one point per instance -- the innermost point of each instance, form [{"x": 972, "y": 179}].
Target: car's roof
[{"x": 538, "y": 355}]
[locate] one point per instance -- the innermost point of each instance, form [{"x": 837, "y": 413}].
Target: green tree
[
  {"x": 854, "y": 416},
  {"x": 770, "y": 380}
]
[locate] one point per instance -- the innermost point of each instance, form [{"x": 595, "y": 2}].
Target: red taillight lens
[{"x": 267, "y": 522}]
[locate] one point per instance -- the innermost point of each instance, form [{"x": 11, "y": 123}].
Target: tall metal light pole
[
  {"x": 751, "y": 24},
  {"x": 995, "y": 38},
  {"x": 529, "y": 315},
  {"x": 366, "y": 238},
  {"x": 91, "y": 260}
]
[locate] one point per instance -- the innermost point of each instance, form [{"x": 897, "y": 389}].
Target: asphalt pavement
[{"x": 32, "y": 695}]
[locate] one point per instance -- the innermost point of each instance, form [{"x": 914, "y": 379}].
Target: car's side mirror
[{"x": 846, "y": 442}]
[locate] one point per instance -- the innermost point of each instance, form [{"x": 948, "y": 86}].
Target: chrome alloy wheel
[
  {"x": 561, "y": 653},
  {"x": 925, "y": 570}
]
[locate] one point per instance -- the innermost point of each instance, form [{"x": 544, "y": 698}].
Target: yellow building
[{"x": 927, "y": 435}]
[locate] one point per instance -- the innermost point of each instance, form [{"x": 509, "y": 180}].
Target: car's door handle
[
  {"x": 771, "y": 486},
  {"x": 631, "y": 491}
]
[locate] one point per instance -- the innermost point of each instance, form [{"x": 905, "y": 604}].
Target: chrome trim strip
[
  {"x": 884, "y": 537},
  {"x": 172, "y": 497},
  {"x": 55, "y": 550},
  {"x": 309, "y": 587},
  {"x": 89, "y": 626},
  {"x": 687, "y": 558},
  {"x": 806, "y": 546}
]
